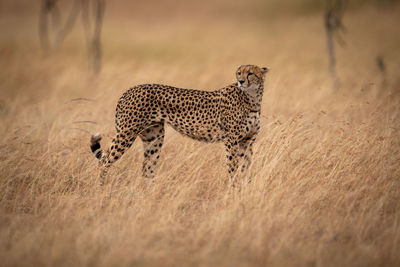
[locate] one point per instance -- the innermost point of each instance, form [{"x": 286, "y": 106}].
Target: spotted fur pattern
[{"x": 230, "y": 115}]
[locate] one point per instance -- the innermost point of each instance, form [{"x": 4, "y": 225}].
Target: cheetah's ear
[{"x": 265, "y": 69}]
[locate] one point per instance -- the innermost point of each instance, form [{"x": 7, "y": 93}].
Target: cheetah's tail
[{"x": 95, "y": 145}]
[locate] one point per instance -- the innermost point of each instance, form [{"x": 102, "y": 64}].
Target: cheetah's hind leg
[
  {"x": 153, "y": 138},
  {"x": 120, "y": 143}
]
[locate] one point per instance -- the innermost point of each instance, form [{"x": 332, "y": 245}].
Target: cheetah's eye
[
  {"x": 238, "y": 73},
  {"x": 250, "y": 73}
]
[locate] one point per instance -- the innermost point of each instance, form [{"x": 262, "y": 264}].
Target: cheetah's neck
[{"x": 253, "y": 98}]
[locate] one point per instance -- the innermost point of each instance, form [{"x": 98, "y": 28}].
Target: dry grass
[{"x": 325, "y": 185}]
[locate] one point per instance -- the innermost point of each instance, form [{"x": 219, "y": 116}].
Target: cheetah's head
[{"x": 250, "y": 77}]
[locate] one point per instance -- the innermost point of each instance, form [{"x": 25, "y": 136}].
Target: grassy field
[{"x": 325, "y": 175}]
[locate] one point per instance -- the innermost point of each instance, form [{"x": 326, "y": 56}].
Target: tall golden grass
[{"x": 325, "y": 187}]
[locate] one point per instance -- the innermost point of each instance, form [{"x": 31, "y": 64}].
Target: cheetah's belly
[{"x": 208, "y": 132}]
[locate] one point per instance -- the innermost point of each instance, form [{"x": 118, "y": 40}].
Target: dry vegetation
[{"x": 325, "y": 185}]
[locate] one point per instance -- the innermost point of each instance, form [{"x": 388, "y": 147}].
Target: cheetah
[{"x": 230, "y": 115}]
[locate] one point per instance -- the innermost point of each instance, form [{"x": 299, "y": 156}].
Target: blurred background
[
  {"x": 152, "y": 41},
  {"x": 325, "y": 187}
]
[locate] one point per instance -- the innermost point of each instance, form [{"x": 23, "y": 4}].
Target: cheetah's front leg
[
  {"x": 232, "y": 159},
  {"x": 246, "y": 153},
  {"x": 239, "y": 153}
]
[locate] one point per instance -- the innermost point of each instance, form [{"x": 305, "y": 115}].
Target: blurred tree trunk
[
  {"x": 333, "y": 24},
  {"x": 49, "y": 7},
  {"x": 380, "y": 62},
  {"x": 93, "y": 35},
  {"x": 69, "y": 24}
]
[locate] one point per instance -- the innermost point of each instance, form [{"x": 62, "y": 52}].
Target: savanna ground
[{"x": 325, "y": 187}]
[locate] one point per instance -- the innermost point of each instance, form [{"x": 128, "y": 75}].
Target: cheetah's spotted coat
[{"x": 230, "y": 115}]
